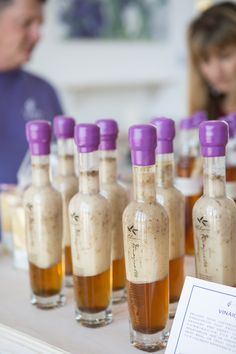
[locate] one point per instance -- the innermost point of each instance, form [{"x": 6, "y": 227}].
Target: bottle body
[
  {"x": 43, "y": 218},
  {"x": 214, "y": 219},
  {"x": 91, "y": 250},
  {"x": 174, "y": 203},
  {"x": 67, "y": 184},
  {"x": 117, "y": 198},
  {"x": 146, "y": 246}
]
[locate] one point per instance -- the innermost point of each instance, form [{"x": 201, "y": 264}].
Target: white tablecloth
[{"x": 58, "y": 326}]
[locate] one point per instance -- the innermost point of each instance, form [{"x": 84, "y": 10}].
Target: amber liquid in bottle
[
  {"x": 119, "y": 278},
  {"x": 147, "y": 313},
  {"x": 91, "y": 247},
  {"x": 92, "y": 294},
  {"x": 176, "y": 277},
  {"x": 46, "y": 282},
  {"x": 68, "y": 261},
  {"x": 185, "y": 168},
  {"x": 117, "y": 197},
  {"x": 231, "y": 175}
]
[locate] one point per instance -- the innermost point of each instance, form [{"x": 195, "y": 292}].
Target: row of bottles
[
  {"x": 47, "y": 217},
  {"x": 189, "y": 166},
  {"x": 112, "y": 249},
  {"x": 144, "y": 252}
]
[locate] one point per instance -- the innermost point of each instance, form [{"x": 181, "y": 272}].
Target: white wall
[{"x": 130, "y": 81}]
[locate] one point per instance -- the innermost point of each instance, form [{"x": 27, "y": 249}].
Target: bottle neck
[
  {"x": 214, "y": 177},
  {"x": 66, "y": 165},
  {"x": 144, "y": 183},
  {"x": 231, "y": 153},
  {"x": 40, "y": 171},
  {"x": 89, "y": 176},
  {"x": 164, "y": 170},
  {"x": 108, "y": 167}
]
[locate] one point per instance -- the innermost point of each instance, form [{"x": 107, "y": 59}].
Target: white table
[{"x": 58, "y": 326}]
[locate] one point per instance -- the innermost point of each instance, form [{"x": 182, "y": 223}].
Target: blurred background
[{"x": 128, "y": 66}]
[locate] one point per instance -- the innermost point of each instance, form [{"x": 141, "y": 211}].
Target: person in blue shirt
[{"x": 23, "y": 96}]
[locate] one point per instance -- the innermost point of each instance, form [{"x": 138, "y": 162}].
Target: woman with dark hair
[{"x": 212, "y": 61}]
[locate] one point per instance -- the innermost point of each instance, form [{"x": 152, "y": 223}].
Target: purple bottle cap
[
  {"x": 186, "y": 124},
  {"x": 38, "y": 135},
  {"x": 232, "y": 118},
  {"x": 165, "y": 134},
  {"x": 63, "y": 127},
  {"x": 213, "y": 136},
  {"x": 142, "y": 141},
  {"x": 108, "y": 133},
  {"x": 87, "y": 137},
  {"x": 198, "y": 118},
  {"x": 231, "y": 125}
]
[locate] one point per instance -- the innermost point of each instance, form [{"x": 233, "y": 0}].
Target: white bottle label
[
  {"x": 90, "y": 235},
  {"x": 44, "y": 232},
  {"x": 146, "y": 244},
  {"x": 214, "y": 222},
  {"x": 189, "y": 186}
]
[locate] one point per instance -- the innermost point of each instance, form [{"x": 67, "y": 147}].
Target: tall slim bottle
[
  {"x": 146, "y": 245},
  {"x": 214, "y": 214},
  {"x": 117, "y": 197},
  {"x": 43, "y": 215},
  {"x": 66, "y": 181},
  {"x": 174, "y": 203},
  {"x": 90, "y": 235},
  {"x": 231, "y": 158},
  {"x": 189, "y": 177}
]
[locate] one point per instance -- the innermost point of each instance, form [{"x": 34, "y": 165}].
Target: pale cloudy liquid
[{"x": 214, "y": 221}]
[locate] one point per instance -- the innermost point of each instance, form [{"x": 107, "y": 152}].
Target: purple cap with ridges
[
  {"x": 38, "y": 135},
  {"x": 108, "y": 133},
  {"x": 142, "y": 141},
  {"x": 198, "y": 118},
  {"x": 165, "y": 134},
  {"x": 63, "y": 127},
  {"x": 213, "y": 136},
  {"x": 186, "y": 124},
  {"x": 87, "y": 137}
]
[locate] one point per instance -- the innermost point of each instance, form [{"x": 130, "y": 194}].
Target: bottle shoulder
[
  {"x": 224, "y": 205},
  {"x": 170, "y": 193},
  {"x": 66, "y": 183},
  {"x": 88, "y": 201},
  {"x": 114, "y": 190},
  {"x": 45, "y": 191},
  {"x": 46, "y": 198},
  {"x": 147, "y": 209}
]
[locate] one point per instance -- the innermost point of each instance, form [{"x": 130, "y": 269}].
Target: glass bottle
[
  {"x": 189, "y": 177},
  {"x": 174, "y": 203},
  {"x": 66, "y": 182},
  {"x": 18, "y": 231},
  {"x": 231, "y": 158},
  {"x": 146, "y": 246},
  {"x": 117, "y": 197},
  {"x": 197, "y": 118},
  {"x": 214, "y": 214},
  {"x": 43, "y": 218},
  {"x": 9, "y": 196},
  {"x": 90, "y": 235}
]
